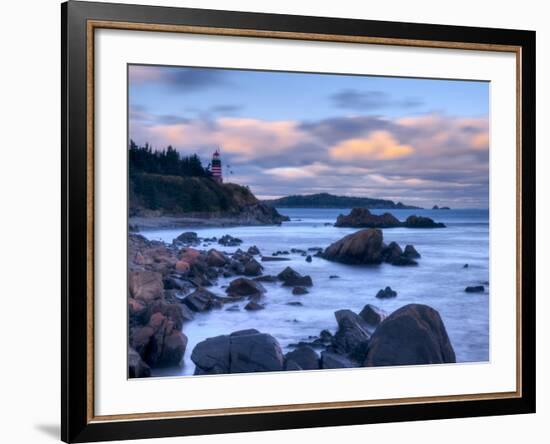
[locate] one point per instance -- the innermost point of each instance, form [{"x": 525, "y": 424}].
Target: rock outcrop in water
[
  {"x": 411, "y": 335},
  {"x": 363, "y": 218},
  {"x": 366, "y": 247},
  {"x": 244, "y": 351}
]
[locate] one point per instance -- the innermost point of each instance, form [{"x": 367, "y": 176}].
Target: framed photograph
[{"x": 275, "y": 221}]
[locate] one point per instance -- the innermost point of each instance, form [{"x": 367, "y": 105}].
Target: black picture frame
[{"x": 76, "y": 423}]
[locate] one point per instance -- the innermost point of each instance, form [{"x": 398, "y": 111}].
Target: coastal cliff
[{"x": 164, "y": 200}]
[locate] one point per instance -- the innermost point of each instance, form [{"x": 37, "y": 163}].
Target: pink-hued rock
[{"x": 145, "y": 285}]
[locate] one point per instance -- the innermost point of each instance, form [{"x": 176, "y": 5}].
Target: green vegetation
[
  {"x": 325, "y": 200},
  {"x": 164, "y": 182},
  {"x": 166, "y": 162}
]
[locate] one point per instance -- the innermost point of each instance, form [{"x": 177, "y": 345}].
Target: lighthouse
[{"x": 216, "y": 168}]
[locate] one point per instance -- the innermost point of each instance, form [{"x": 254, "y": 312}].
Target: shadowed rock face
[
  {"x": 363, "y": 218},
  {"x": 243, "y": 351},
  {"x": 412, "y": 335},
  {"x": 303, "y": 357},
  {"x": 422, "y": 222},
  {"x": 352, "y": 335},
  {"x": 367, "y": 247},
  {"x": 362, "y": 247}
]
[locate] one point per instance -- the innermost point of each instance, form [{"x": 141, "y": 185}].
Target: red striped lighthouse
[{"x": 216, "y": 167}]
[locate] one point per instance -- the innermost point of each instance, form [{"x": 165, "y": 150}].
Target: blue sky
[{"x": 420, "y": 141}]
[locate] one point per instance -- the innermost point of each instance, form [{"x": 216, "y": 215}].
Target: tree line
[{"x": 166, "y": 162}]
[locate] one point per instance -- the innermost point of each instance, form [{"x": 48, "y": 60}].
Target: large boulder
[
  {"x": 361, "y": 247},
  {"x": 202, "y": 300},
  {"x": 363, "y": 218},
  {"x": 413, "y": 334},
  {"x": 243, "y": 351},
  {"x": 291, "y": 278},
  {"x": 136, "y": 367},
  {"x": 352, "y": 336},
  {"x": 422, "y": 222},
  {"x": 145, "y": 285},
  {"x": 243, "y": 287},
  {"x": 304, "y": 357}
]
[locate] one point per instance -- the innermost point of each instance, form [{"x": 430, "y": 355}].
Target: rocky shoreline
[
  {"x": 250, "y": 215},
  {"x": 168, "y": 284}
]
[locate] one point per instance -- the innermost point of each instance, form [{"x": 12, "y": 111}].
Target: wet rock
[
  {"x": 291, "y": 278},
  {"x": 465, "y": 266},
  {"x": 202, "y": 300},
  {"x": 266, "y": 278},
  {"x": 236, "y": 267},
  {"x": 233, "y": 308},
  {"x": 274, "y": 259},
  {"x": 211, "y": 356},
  {"x": 253, "y": 306},
  {"x": 352, "y": 336},
  {"x": 403, "y": 261},
  {"x": 422, "y": 222},
  {"x": 136, "y": 367},
  {"x": 361, "y": 247},
  {"x": 229, "y": 241},
  {"x": 182, "y": 266},
  {"x": 411, "y": 252},
  {"x": 137, "y": 312},
  {"x": 253, "y": 268},
  {"x": 386, "y": 293},
  {"x": 372, "y": 315},
  {"x": 334, "y": 276},
  {"x": 145, "y": 285},
  {"x": 305, "y": 357},
  {"x": 159, "y": 343},
  {"x": 215, "y": 258},
  {"x": 475, "y": 289},
  {"x": 295, "y": 303},
  {"x": 292, "y": 366},
  {"x": 413, "y": 334},
  {"x": 243, "y": 351},
  {"x": 245, "y": 287},
  {"x": 188, "y": 238},
  {"x": 175, "y": 283},
  {"x": 363, "y": 218},
  {"x": 298, "y": 291},
  {"x": 177, "y": 313},
  {"x": 333, "y": 360},
  {"x": 308, "y": 258},
  {"x": 315, "y": 249},
  {"x": 392, "y": 252},
  {"x": 253, "y": 250}
]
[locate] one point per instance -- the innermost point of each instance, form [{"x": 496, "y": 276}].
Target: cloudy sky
[{"x": 419, "y": 141}]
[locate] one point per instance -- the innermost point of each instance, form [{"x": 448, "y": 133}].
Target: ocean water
[{"x": 438, "y": 281}]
